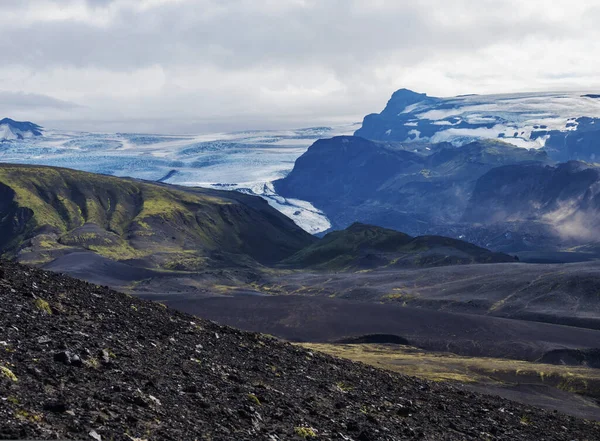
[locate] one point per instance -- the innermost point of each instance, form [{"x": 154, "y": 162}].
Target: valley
[{"x": 419, "y": 257}]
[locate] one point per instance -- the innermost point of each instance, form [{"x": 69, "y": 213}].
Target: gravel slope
[{"x": 80, "y": 361}]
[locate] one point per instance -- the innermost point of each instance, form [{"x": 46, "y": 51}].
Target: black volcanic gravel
[{"x": 94, "y": 364}]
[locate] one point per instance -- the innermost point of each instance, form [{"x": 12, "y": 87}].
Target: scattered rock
[
  {"x": 68, "y": 358},
  {"x": 243, "y": 387}
]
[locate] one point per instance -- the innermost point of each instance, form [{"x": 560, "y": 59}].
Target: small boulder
[
  {"x": 56, "y": 406},
  {"x": 68, "y": 358}
]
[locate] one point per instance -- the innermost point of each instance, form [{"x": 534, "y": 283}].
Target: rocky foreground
[{"x": 79, "y": 361}]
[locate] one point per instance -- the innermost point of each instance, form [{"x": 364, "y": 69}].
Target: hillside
[
  {"x": 84, "y": 362},
  {"x": 365, "y": 246},
  {"x": 49, "y": 213}
]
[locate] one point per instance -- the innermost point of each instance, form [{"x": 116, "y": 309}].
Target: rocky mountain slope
[
  {"x": 363, "y": 246},
  {"x": 353, "y": 179},
  {"x": 82, "y": 362},
  {"x": 47, "y": 213}
]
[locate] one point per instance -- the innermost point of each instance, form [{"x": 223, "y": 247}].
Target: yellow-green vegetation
[
  {"x": 344, "y": 387},
  {"x": 525, "y": 420},
  {"x": 254, "y": 399},
  {"x": 55, "y": 212},
  {"x": 398, "y": 295},
  {"x": 437, "y": 366},
  {"x": 188, "y": 261},
  {"x": 122, "y": 210},
  {"x": 500, "y": 303},
  {"x": 92, "y": 362},
  {"x": 43, "y": 305},
  {"x": 22, "y": 414},
  {"x": 6, "y": 372},
  {"x": 305, "y": 432},
  {"x": 272, "y": 289}
]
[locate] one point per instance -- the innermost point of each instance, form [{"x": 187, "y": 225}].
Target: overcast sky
[{"x": 168, "y": 66}]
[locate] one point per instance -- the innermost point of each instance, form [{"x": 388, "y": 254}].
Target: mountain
[
  {"x": 84, "y": 362},
  {"x": 47, "y": 214},
  {"x": 11, "y": 130},
  {"x": 354, "y": 179},
  {"x": 566, "y": 196},
  {"x": 567, "y": 125},
  {"x": 365, "y": 246}
]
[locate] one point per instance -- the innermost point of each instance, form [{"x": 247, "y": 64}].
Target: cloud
[
  {"x": 292, "y": 61},
  {"x": 20, "y": 100}
]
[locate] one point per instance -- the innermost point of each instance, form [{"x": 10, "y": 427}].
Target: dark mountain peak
[
  {"x": 359, "y": 226},
  {"x": 408, "y": 95},
  {"x": 371, "y": 235},
  {"x": 337, "y": 141},
  {"x": 403, "y": 98}
]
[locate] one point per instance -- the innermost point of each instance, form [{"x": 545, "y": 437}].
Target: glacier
[
  {"x": 245, "y": 161},
  {"x": 528, "y": 120}
]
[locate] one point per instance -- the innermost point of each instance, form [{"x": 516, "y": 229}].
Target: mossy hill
[
  {"x": 363, "y": 246},
  {"x": 49, "y": 212}
]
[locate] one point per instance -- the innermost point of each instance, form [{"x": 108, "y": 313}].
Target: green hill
[
  {"x": 363, "y": 246},
  {"x": 46, "y": 213}
]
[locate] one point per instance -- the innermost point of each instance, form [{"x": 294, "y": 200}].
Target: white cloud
[{"x": 279, "y": 62}]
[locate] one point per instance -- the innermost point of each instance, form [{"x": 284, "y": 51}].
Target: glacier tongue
[{"x": 303, "y": 213}]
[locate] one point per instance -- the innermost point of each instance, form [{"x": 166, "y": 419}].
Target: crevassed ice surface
[{"x": 245, "y": 161}]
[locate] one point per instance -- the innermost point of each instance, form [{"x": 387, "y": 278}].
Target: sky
[{"x": 195, "y": 66}]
